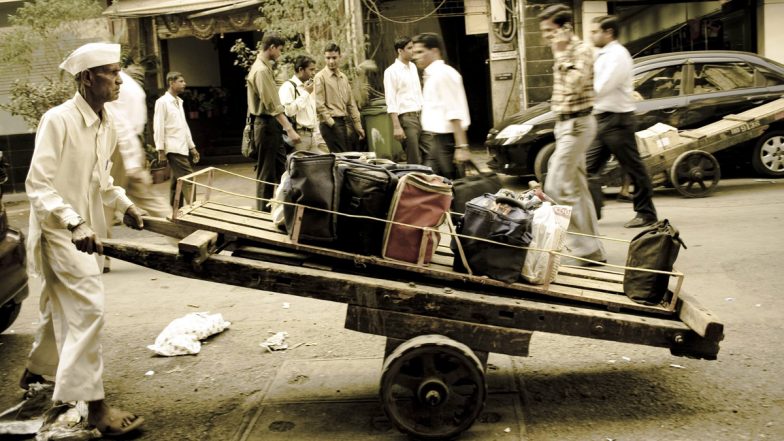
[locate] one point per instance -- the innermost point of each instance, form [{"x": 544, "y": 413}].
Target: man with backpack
[{"x": 299, "y": 103}]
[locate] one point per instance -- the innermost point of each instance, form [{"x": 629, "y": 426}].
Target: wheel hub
[{"x": 433, "y": 392}]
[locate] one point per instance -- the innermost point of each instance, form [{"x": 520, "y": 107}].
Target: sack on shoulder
[
  {"x": 654, "y": 248},
  {"x": 248, "y": 146}
]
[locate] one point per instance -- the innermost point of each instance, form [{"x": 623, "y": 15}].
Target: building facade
[{"x": 495, "y": 44}]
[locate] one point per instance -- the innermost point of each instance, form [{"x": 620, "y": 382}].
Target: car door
[
  {"x": 659, "y": 87},
  {"x": 720, "y": 87}
]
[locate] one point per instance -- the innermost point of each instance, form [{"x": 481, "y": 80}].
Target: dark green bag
[{"x": 654, "y": 248}]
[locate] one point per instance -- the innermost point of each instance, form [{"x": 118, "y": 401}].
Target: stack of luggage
[{"x": 380, "y": 208}]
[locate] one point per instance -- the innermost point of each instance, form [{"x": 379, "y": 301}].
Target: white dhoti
[
  {"x": 567, "y": 183},
  {"x": 67, "y": 343}
]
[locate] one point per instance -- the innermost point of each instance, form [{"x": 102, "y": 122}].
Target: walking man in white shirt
[
  {"x": 403, "y": 95},
  {"x": 614, "y": 110},
  {"x": 445, "y": 117},
  {"x": 67, "y": 185},
  {"x": 299, "y": 103},
  {"x": 173, "y": 136},
  {"x": 129, "y": 172}
]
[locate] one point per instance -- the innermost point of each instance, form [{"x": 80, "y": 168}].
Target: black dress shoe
[{"x": 640, "y": 221}]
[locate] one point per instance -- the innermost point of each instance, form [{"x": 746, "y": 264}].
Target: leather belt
[{"x": 578, "y": 114}]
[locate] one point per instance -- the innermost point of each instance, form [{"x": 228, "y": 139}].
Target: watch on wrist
[{"x": 74, "y": 225}]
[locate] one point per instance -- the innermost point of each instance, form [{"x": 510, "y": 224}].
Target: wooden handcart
[
  {"x": 440, "y": 325},
  {"x": 690, "y": 166}
]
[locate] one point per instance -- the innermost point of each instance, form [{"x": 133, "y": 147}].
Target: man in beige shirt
[
  {"x": 268, "y": 119},
  {"x": 335, "y": 103}
]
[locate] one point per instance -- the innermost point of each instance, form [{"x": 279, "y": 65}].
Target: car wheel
[
  {"x": 768, "y": 156},
  {"x": 8, "y": 314},
  {"x": 541, "y": 160}
]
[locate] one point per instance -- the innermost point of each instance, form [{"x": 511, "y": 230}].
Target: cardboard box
[{"x": 656, "y": 139}]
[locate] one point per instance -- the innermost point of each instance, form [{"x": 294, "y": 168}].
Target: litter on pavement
[
  {"x": 276, "y": 342},
  {"x": 37, "y": 416},
  {"x": 182, "y": 335}
]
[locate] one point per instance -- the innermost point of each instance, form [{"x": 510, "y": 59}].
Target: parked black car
[
  {"x": 682, "y": 89},
  {"x": 13, "y": 270}
]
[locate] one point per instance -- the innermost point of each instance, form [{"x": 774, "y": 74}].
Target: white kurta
[{"x": 69, "y": 178}]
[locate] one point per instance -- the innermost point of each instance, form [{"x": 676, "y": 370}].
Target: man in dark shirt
[{"x": 268, "y": 119}]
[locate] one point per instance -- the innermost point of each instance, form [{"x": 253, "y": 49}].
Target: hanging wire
[{"x": 373, "y": 7}]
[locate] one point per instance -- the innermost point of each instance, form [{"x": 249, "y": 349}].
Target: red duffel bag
[{"x": 420, "y": 200}]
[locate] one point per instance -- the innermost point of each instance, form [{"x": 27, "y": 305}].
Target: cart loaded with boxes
[
  {"x": 417, "y": 274},
  {"x": 685, "y": 159}
]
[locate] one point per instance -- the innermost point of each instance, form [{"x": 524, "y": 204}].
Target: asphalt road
[{"x": 567, "y": 389}]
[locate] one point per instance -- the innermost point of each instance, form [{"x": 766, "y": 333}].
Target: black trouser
[
  {"x": 336, "y": 136},
  {"x": 180, "y": 166},
  {"x": 440, "y": 148},
  {"x": 412, "y": 127},
  {"x": 615, "y": 135},
  {"x": 268, "y": 136}
]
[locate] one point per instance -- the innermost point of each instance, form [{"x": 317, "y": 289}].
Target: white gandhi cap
[{"x": 91, "y": 55}]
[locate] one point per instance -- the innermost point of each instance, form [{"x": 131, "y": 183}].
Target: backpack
[{"x": 654, "y": 248}]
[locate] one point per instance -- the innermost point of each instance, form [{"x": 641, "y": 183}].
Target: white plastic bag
[
  {"x": 548, "y": 229},
  {"x": 182, "y": 335},
  {"x": 276, "y": 207}
]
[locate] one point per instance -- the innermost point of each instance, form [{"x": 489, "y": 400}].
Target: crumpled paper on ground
[
  {"x": 276, "y": 342},
  {"x": 181, "y": 336},
  {"x": 67, "y": 422},
  {"x": 36, "y": 415}
]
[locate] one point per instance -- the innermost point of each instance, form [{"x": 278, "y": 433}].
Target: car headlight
[{"x": 512, "y": 133}]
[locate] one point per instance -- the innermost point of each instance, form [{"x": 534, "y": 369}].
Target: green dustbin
[{"x": 378, "y": 129}]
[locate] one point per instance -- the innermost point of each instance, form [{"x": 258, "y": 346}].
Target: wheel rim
[
  {"x": 433, "y": 389},
  {"x": 772, "y": 154},
  {"x": 695, "y": 173}
]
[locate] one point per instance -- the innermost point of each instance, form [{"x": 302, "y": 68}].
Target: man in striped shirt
[{"x": 575, "y": 129}]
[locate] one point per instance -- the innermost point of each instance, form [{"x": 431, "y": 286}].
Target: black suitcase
[
  {"x": 401, "y": 170},
  {"x": 366, "y": 191},
  {"x": 499, "y": 219},
  {"x": 314, "y": 182}
]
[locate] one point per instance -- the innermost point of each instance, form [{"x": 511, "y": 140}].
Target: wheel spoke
[
  {"x": 454, "y": 376},
  {"x": 465, "y": 390},
  {"x": 702, "y": 184},
  {"x": 406, "y": 381},
  {"x": 429, "y": 365}
]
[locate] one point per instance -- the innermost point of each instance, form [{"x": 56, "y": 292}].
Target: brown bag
[{"x": 420, "y": 200}]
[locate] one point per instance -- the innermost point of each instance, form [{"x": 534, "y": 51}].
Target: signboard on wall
[{"x": 476, "y": 17}]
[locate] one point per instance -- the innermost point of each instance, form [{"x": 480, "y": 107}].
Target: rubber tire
[
  {"x": 756, "y": 160},
  {"x": 8, "y": 313},
  {"x": 541, "y": 160}
]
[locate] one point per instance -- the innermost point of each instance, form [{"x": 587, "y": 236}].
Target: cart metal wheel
[
  {"x": 695, "y": 174},
  {"x": 433, "y": 387}
]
